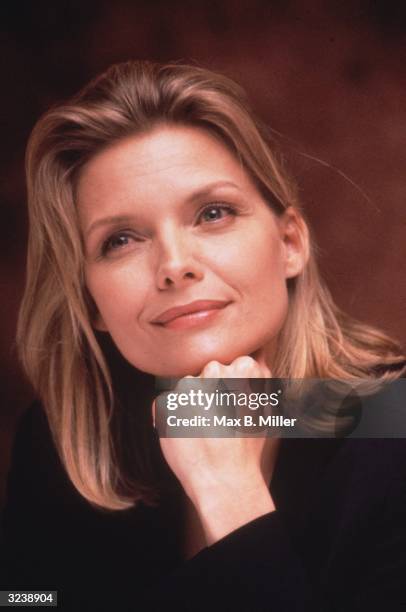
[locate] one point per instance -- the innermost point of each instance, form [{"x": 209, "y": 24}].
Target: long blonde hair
[{"x": 57, "y": 343}]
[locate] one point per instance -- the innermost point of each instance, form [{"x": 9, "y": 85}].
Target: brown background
[{"x": 329, "y": 77}]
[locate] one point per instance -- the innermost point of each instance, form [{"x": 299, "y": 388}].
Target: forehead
[{"x": 177, "y": 157}]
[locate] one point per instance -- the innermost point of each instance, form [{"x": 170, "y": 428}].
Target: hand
[{"x": 226, "y": 479}]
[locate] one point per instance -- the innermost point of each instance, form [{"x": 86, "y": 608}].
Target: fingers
[
  {"x": 242, "y": 367},
  {"x": 248, "y": 367},
  {"x": 214, "y": 369}
]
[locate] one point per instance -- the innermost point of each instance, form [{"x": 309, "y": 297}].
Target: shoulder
[
  {"x": 339, "y": 481},
  {"x": 370, "y": 464},
  {"x": 37, "y": 480}
]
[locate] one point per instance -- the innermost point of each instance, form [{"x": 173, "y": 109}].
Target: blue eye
[
  {"x": 216, "y": 212},
  {"x": 115, "y": 242}
]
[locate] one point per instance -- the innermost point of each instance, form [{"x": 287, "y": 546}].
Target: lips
[{"x": 197, "y": 306}]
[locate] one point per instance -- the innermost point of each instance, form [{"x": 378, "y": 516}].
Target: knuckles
[
  {"x": 241, "y": 367},
  {"x": 245, "y": 363},
  {"x": 213, "y": 369}
]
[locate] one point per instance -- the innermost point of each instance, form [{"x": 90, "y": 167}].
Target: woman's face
[{"x": 170, "y": 219}]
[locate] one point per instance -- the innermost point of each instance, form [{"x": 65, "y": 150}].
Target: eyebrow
[{"x": 206, "y": 191}]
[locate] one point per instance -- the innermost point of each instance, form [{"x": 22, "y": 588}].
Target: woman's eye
[
  {"x": 216, "y": 212},
  {"x": 115, "y": 243}
]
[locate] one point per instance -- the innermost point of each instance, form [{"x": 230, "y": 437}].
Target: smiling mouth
[{"x": 195, "y": 318}]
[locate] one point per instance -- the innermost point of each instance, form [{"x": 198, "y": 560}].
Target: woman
[{"x": 162, "y": 226}]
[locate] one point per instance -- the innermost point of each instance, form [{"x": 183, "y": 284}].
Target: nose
[{"x": 177, "y": 265}]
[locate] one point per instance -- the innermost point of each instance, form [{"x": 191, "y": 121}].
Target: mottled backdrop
[{"x": 328, "y": 77}]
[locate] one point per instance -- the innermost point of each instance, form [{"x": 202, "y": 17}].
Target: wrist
[{"x": 223, "y": 509}]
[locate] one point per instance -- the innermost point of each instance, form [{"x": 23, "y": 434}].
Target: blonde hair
[{"x": 57, "y": 344}]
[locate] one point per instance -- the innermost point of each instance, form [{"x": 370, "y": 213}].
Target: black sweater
[{"x": 337, "y": 540}]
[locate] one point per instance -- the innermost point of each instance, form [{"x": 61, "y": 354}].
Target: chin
[
  {"x": 193, "y": 366},
  {"x": 176, "y": 371}
]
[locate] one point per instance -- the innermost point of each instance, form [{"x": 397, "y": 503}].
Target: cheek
[
  {"x": 263, "y": 264},
  {"x": 246, "y": 258},
  {"x": 267, "y": 284},
  {"x": 119, "y": 296}
]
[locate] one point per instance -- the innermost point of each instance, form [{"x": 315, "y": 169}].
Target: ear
[{"x": 295, "y": 238}]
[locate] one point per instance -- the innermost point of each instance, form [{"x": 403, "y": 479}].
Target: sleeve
[
  {"x": 350, "y": 555},
  {"x": 253, "y": 568}
]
